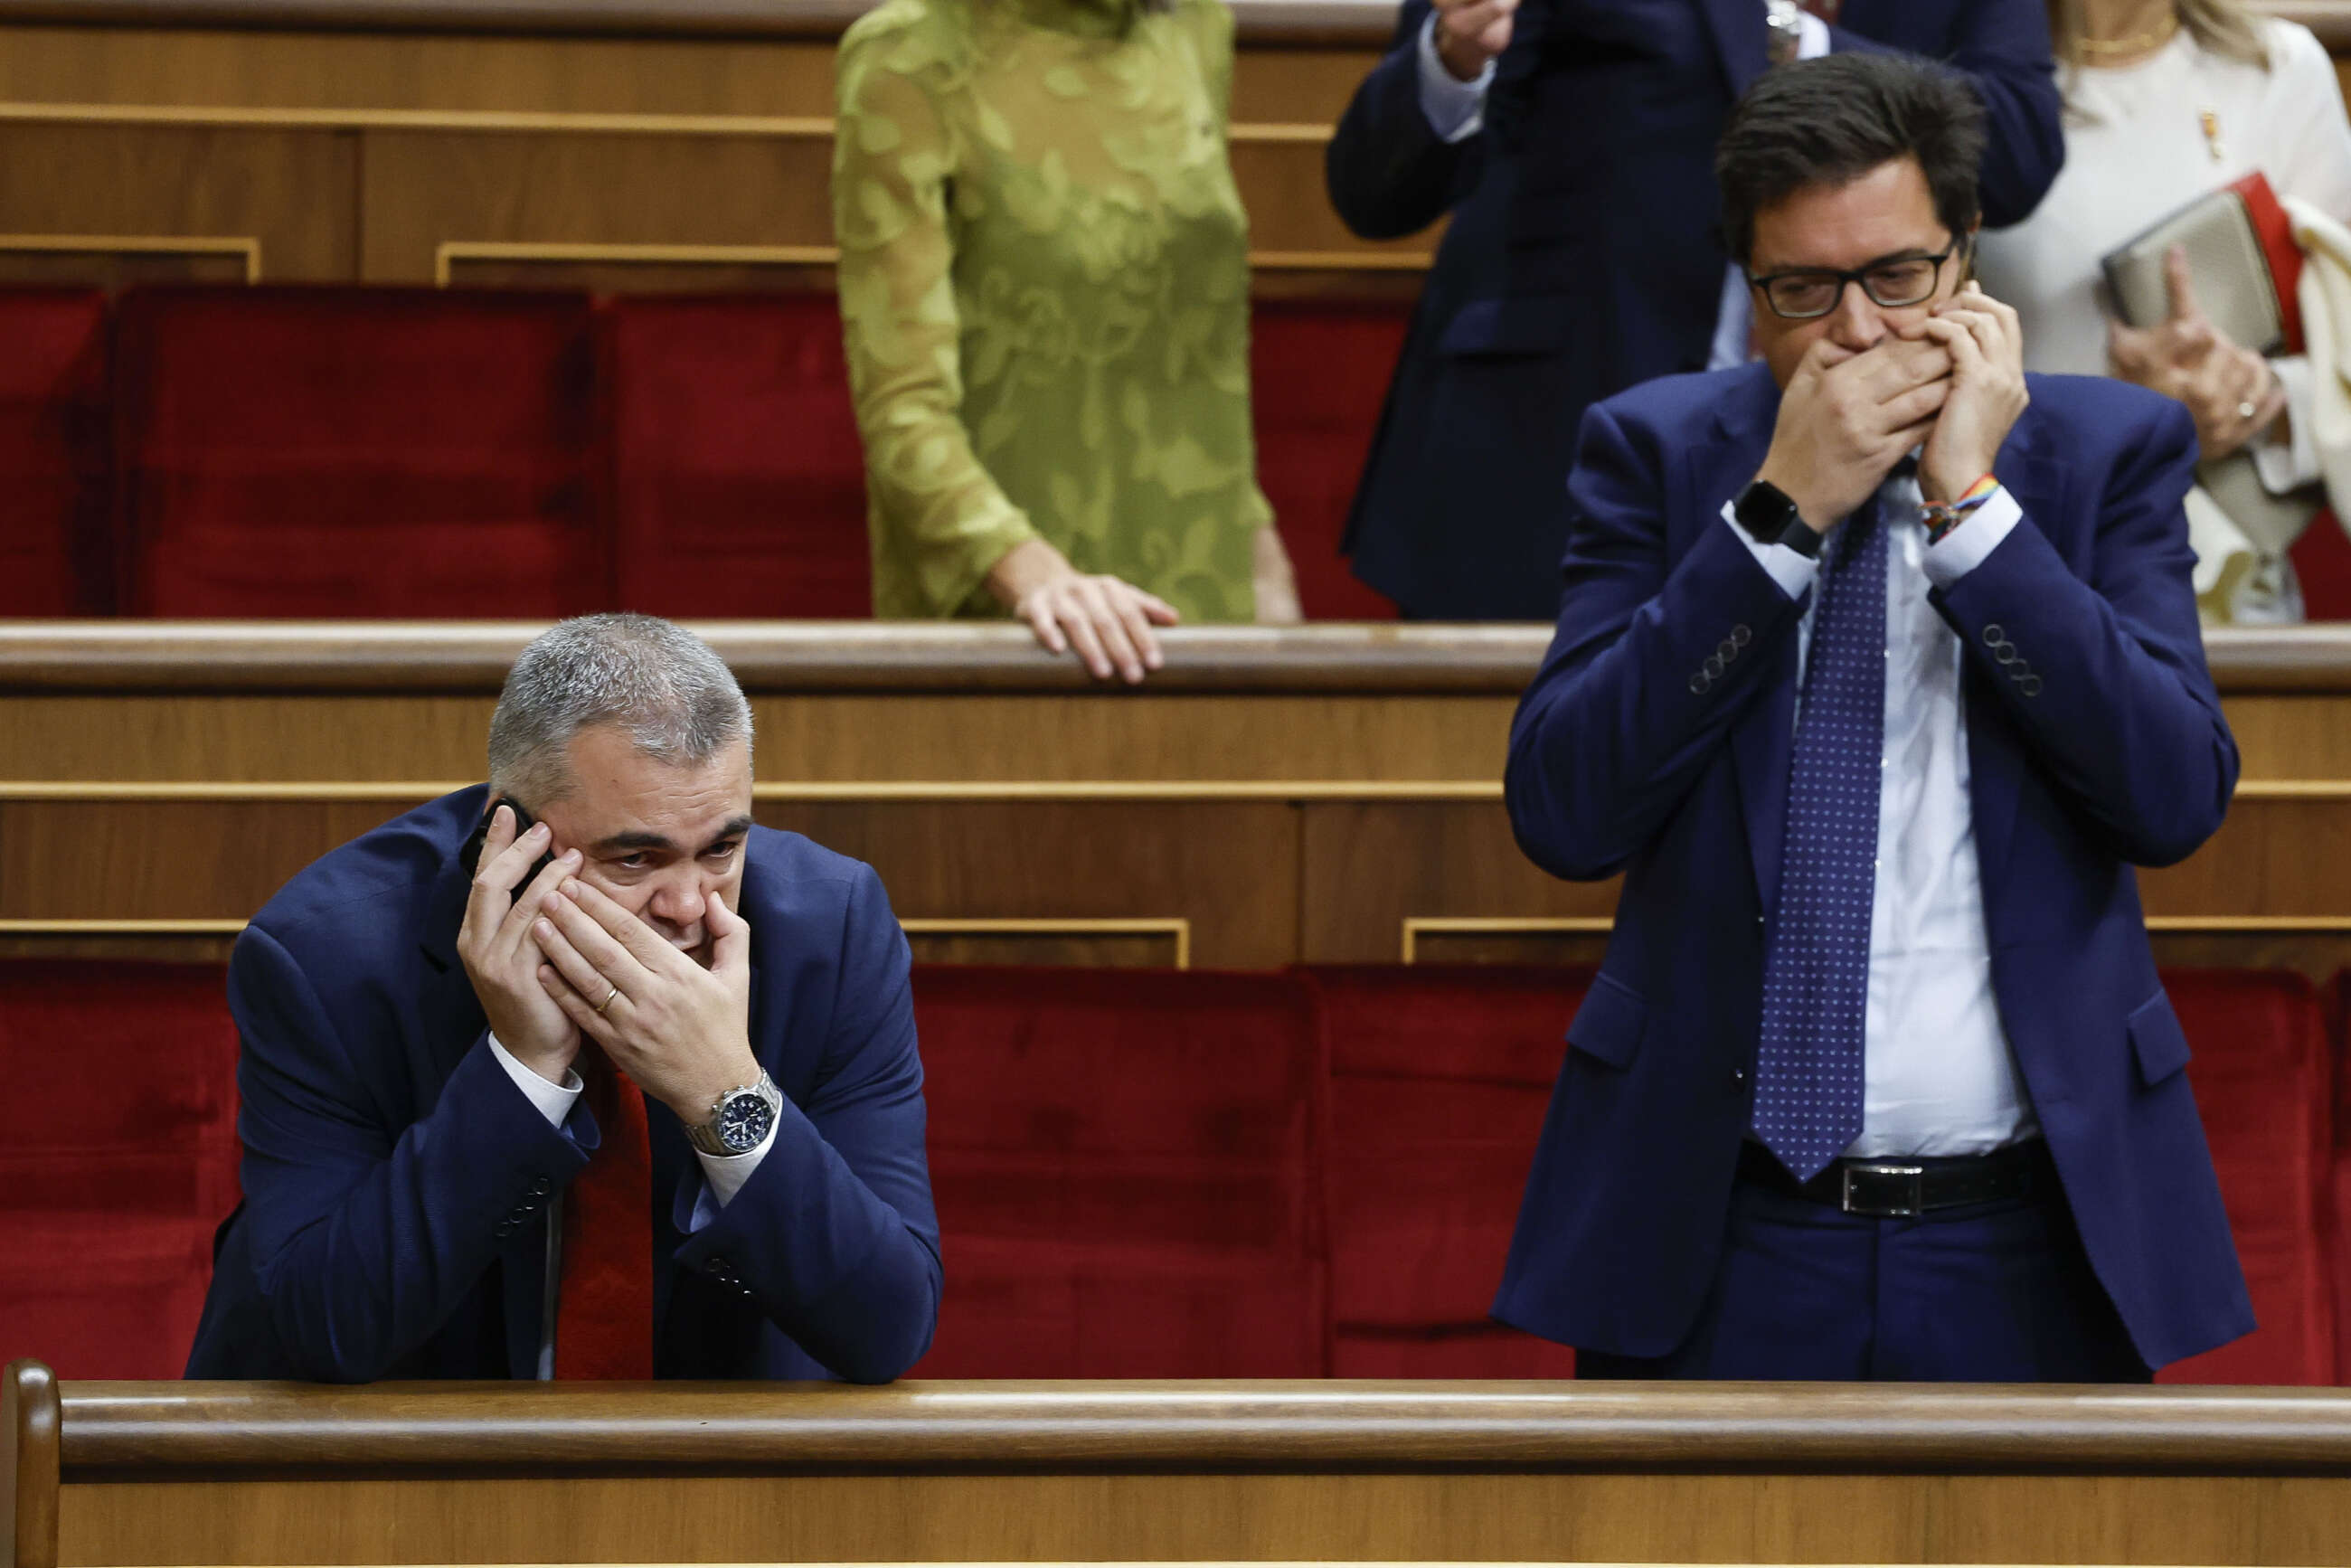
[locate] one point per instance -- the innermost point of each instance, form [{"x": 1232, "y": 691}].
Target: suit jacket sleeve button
[
  {"x": 1993, "y": 636},
  {"x": 1698, "y": 684},
  {"x": 1740, "y": 635}
]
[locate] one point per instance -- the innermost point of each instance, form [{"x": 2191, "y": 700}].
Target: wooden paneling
[
  {"x": 291, "y": 191},
  {"x": 1288, "y": 796},
  {"x": 1646, "y": 1517},
  {"x": 1230, "y": 870}
]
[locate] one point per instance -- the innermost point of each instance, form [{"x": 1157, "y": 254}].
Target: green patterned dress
[{"x": 1044, "y": 284}]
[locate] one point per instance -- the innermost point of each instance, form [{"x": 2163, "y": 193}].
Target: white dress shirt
[
  {"x": 723, "y": 1178},
  {"x": 1937, "y": 1076},
  {"x": 1456, "y": 110}
]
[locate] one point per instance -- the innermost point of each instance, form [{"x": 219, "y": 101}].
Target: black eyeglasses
[{"x": 1814, "y": 292}]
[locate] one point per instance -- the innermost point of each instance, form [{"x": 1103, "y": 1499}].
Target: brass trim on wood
[
  {"x": 449, "y": 254},
  {"x": 1301, "y": 791},
  {"x": 1416, "y": 927},
  {"x": 1175, "y": 927},
  {"x": 245, "y": 247},
  {"x": 779, "y": 127}
]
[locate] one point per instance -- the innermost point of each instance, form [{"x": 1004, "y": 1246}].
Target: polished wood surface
[
  {"x": 29, "y": 1465},
  {"x": 121, "y": 656},
  {"x": 1252, "y": 1471},
  {"x": 1327, "y": 794},
  {"x": 1365, "y": 21}
]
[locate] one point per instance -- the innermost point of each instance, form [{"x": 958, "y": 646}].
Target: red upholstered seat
[
  {"x": 2263, "y": 1075},
  {"x": 52, "y": 444},
  {"x": 1321, "y": 371},
  {"x": 357, "y": 452},
  {"x": 738, "y": 480},
  {"x": 1124, "y": 1164},
  {"x": 117, "y": 1158},
  {"x": 1439, "y": 1078}
]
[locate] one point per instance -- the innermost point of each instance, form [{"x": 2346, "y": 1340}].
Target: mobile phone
[{"x": 471, "y": 853}]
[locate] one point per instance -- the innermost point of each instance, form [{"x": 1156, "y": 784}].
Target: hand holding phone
[{"x": 514, "y": 874}]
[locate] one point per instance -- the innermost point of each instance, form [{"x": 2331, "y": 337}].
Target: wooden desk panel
[
  {"x": 1333, "y": 1471},
  {"x": 1330, "y": 794}
]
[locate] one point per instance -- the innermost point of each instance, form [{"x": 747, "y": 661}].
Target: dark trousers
[{"x": 1993, "y": 1292}]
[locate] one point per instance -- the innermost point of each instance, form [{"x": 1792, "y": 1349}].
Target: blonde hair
[{"x": 2219, "y": 26}]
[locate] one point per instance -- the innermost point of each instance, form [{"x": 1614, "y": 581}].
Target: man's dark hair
[{"x": 1830, "y": 121}]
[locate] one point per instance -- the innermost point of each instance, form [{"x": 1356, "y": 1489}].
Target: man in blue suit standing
[
  {"x": 1572, "y": 141},
  {"x": 1877, "y": 668},
  {"x": 627, "y": 1091}
]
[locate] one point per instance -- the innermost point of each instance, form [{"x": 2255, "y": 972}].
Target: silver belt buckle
[{"x": 1916, "y": 1175}]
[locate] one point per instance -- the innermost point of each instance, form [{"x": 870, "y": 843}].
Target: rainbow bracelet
[{"x": 1942, "y": 517}]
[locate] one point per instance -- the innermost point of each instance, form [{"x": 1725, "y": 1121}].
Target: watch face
[{"x": 742, "y": 1121}]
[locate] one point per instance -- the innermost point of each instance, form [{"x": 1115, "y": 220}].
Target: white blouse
[{"x": 2143, "y": 141}]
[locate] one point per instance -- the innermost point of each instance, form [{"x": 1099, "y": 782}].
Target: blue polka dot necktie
[{"x": 1808, "y": 1067}]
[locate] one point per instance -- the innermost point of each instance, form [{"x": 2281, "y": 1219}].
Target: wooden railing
[{"x": 223, "y": 1473}]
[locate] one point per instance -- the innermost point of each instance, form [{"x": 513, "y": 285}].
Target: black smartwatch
[{"x": 1764, "y": 510}]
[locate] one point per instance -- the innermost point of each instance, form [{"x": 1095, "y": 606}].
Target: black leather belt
[{"x": 1897, "y": 1188}]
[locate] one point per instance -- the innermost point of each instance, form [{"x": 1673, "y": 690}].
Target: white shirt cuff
[
  {"x": 1795, "y": 572},
  {"x": 554, "y": 1100},
  {"x": 1455, "y": 110},
  {"x": 1811, "y": 36},
  {"x": 2287, "y": 465},
  {"x": 1964, "y": 547},
  {"x": 725, "y": 1175}
]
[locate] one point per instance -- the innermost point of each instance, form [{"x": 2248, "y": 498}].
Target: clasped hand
[
  {"x": 1953, "y": 383},
  {"x": 681, "y": 1032},
  {"x": 542, "y": 965}
]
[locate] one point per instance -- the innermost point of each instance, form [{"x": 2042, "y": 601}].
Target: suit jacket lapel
[{"x": 1740, "y": 39}]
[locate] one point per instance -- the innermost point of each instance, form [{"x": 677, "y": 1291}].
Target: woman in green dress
[{"x": 1044, "y": 286}]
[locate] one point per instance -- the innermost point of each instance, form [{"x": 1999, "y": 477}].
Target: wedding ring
[
  {"x": 2247, "y": 409},
  {"x": 608, "y": 997}
]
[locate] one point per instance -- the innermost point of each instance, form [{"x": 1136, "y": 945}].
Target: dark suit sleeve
[
  {"x": 2118, "y": 704},
  {"x": 2002, "y": 46},
  {"x": 364, "y": 1241},
  {"x": 1623, "y": 716},
  {"x": 1389, "y": 175},
  {"x": 835, "y": 1235}
]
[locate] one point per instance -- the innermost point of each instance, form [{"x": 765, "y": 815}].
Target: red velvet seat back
[
  {"x": 1124, "y": 1164},
  {"x": 357, "y": 452},
  {"x": 738, "y": 481},
  {"x": 1319, "y": 372},
  {"x": 53, "y": 445},
  {"x": 1439, "y": 1078},
  {"x": 117, "y": 1158},
  {"x": 2263, "y": 1075}
]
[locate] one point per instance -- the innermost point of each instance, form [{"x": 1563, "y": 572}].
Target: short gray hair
[{"x": 675, "y": 697}]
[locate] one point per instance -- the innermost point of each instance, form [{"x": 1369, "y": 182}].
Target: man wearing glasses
[{"x": 1877, "y": 669}]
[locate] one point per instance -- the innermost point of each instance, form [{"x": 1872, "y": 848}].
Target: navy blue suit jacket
[
  {"x": 1622, "y": 760},
  {"x": 1582, "y": 256},
  {"x": 396, "y": 1180}
]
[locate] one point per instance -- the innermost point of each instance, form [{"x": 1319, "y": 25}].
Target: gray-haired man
[{"x": 579, "y": 1074}]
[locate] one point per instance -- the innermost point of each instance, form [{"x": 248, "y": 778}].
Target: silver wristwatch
[
  {"x": 1785, "y": 37},
  {"x": 740, "y": 1120}
]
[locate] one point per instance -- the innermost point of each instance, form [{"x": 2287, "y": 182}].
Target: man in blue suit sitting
[
  {"x": 1877, "y": 668},
  {"x": 1571, "y": 141},
  {"x": 628, "y": 1090}
]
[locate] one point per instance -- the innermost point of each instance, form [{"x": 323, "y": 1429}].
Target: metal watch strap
[{"x": 705, "y": 1136}]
